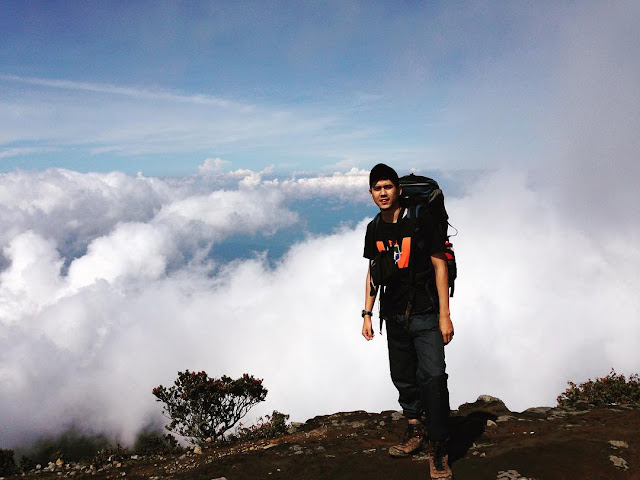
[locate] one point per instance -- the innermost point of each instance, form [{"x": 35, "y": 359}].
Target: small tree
[{"x": 200, "y": 407}]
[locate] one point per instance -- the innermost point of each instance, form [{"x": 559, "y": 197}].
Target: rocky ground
[{"x": 489, "y": 442}]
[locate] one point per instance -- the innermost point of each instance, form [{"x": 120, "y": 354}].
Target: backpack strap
[{"x": 372, "y": 292}]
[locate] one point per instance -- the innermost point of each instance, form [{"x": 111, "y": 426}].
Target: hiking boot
[
  {"x": 439, "y": 462},
  {"x": 412, "y": 441}
]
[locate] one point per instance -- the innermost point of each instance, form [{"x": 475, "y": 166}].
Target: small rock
[
  {"x": 509, "y": 475},
  {"x": 491, "y": 423},
  {"x": 538, "y": 410},
  {"x": 38, "y": 467},
  {"x": 59, "y": 462},
  {"x": 219, "y": 478},
  {"x": 505, "y": 418},
  {"x": 618, "y": 444},
  {"x": 482, "y": 455},
  {"x": 488, "y": 399},
  {"x": 357, "y": 424},
  {"x": 209, "y": 440},
  {"x": 619, "y": 462},
  {"x": 395, "y": 416},
  {"x": 134, "y": 457},
  {"x": 197, "y": 450}
]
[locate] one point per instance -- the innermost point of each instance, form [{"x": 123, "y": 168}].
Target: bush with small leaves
[
  {"x": 154, "y": 443},
  {"x": 26, "y": 464},
  {"x": 7, "y": 462},
  {"x": 614, "y": 388},
  {"x": 270, "y": 426},
  {"x": 200, "y": 407},
  {"x": 109, "y": 455}
]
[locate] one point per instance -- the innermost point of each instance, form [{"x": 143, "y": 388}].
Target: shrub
[
  {"x": 154, "y": 443},
  {"x": 271, "y": 426},
  {"x": 200, "y": 407},
  {"x": 614, "y": 388},
  {"x": 109, "y": 455},
  {"x": 26, "y": 464},
  {"x": 71, "y": 445},
  {"x": 7, "y": 463}
]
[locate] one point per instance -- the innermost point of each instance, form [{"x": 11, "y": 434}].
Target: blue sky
[{"x": 300, "y": 86}]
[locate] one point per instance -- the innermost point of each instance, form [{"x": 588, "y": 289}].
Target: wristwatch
[{"x": 366, "y": 312}]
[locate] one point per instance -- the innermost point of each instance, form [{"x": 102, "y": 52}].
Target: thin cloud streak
[{"x": 127, "y": 92}]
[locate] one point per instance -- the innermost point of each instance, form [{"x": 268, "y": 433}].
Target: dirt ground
[{"x": 488, "y": 442}]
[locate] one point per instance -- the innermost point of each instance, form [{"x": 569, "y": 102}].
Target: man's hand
[
  {"x": 446, "y": 327},
  {"x": 367, "y": 328}
]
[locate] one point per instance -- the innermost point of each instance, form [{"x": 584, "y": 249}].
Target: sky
[
  {"x": 183, "y": 185},
  {"x": 158, "y": 87}
]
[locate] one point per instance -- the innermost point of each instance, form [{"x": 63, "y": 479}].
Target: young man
[{"x": 417, "y": 316}]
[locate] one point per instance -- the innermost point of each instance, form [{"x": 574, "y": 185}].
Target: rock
[
  {"x": 505, "y": 418},
  {"x": 618, "y": 444},
  {"x": 582, "y": 405},
  {"x": 209, "y": 440},
  {"x": 538, "y": 410},
  {"x": 619, "y": 462},
  {"x": 294, "y": 427},
  {"x": 395, "y": 416},
  {"x": 219, "y": 478},
  {"x": 488, "y": 399},
  {"x": 356, "y": 424},
  {"x": 510, "y": 475},
  {"x": 59, "y": 462},
  {"x": 197, "y": 450},
  {"x": 491, "y": 423}
]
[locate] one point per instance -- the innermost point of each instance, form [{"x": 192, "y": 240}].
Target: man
[{"x": 416, "y": 311}]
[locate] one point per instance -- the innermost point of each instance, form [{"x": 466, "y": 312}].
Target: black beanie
[{"x": 383, "y": 172}]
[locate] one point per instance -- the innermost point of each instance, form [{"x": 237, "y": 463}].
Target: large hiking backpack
[{"x": 420, "y": 192}]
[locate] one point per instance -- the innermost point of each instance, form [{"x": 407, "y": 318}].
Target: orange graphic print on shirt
[{"x": 401, "y": 251}]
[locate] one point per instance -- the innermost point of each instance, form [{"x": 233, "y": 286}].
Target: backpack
[{"x": 418, "y": 193}]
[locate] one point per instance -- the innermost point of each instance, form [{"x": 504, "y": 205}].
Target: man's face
[{"x": 385, "y": 194}]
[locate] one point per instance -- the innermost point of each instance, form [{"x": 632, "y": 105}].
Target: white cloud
[
  {"x": 349, "y": 186},
  {"x": 143, "y": 301},
  {"x": 211, "y": 166}
]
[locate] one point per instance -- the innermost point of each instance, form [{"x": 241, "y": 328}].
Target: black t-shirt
[{"x": 397, "y": 237}]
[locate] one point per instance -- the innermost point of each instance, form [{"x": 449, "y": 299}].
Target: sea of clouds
[{"x": 109, "y": 285}]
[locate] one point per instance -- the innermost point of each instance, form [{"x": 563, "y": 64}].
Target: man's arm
[
  {"x": 369, "y": 300},
  {"x": 439, "y": 261}
]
